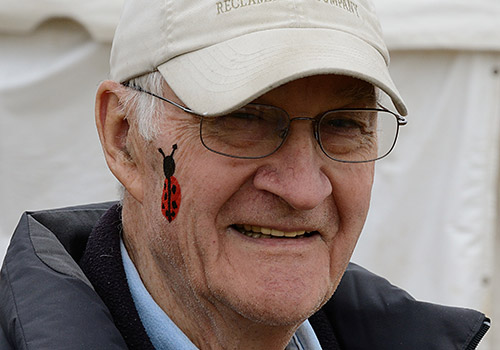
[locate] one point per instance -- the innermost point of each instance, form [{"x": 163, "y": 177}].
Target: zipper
[{"x": 479, "y": 335}]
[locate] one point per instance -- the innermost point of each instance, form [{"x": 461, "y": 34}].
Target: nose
[{"x": 295, "y": 172}]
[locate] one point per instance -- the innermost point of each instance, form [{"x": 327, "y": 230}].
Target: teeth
[
  {"x": 266, "y": 231},
  {"x": 294, "y": 234},
  {"x": 259, "y": 232},
  {"x": 277, "y": 233}
]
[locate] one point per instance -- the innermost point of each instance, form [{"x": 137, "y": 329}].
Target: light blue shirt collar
[{"x": 164, "y": 333}]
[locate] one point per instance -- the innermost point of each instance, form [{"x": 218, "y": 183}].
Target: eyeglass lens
[{"x": 255, "y": 131}]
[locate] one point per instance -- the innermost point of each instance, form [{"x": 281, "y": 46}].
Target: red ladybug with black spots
[{"x": 171, "y": 197}]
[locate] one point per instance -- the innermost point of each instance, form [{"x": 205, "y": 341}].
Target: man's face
[{"x": 202, "y": 255}]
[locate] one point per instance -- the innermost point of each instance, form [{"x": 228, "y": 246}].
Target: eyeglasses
[{"x": 349, "y": 135}]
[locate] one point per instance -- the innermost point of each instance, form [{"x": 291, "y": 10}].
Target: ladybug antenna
[
  {"x": 174, "y": 147},
  {"x": 161, "y": 151}
]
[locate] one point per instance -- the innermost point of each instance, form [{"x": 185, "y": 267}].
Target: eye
[
  {"x": 242, "y": 115},
  {"x": 343, "y": 122},
  {"x": 238, "y": 120}
]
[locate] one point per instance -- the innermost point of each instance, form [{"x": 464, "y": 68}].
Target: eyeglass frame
[{"x": 401, "y": 121}]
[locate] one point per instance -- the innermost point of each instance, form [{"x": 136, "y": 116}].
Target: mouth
[{"x": 265, "y": 232}]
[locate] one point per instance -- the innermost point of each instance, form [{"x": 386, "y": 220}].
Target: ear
[{"x": 116, "y": 138}]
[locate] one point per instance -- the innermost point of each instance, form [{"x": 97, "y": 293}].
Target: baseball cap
[{"x": 218, "y": 55}]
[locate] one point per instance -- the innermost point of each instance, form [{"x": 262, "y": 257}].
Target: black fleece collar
[{"x": 102, "y": 263}]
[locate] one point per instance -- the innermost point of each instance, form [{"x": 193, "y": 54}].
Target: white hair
[{"x": 141, "y": 108}]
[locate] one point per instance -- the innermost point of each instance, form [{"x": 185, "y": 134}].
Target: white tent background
[{"x": 433, "y": 227}]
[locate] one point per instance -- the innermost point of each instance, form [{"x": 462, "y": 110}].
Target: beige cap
[{"x": 219, "y": 55}]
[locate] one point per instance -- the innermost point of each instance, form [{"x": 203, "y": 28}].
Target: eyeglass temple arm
[
  {"x": 401, "y": 120},
  {"x": 138, "y": 88}
]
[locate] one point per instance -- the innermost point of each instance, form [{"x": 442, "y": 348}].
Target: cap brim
[{"x": 217, "y": 79}]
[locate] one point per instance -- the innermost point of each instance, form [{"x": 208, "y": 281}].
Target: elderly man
[{"x": 244, "y": 134}]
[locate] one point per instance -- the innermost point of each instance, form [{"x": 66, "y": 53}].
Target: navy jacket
[{"x": 62, "y": 286}]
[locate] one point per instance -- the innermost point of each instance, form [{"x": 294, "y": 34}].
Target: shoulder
[
  {"x": 368, "y": 309},
  {"x": 42, "y": 288}
]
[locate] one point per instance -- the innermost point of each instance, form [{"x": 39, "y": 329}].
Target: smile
[{"x": 265, "y": 232}]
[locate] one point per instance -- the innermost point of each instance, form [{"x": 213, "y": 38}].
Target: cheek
[
  {"x": 205, "y": 186},
  {"x": 352, "y": 193},
  {"x": 209, "y": 181},
  {"x": 352, "y": 190}
]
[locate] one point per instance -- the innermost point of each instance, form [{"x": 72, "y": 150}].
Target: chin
[
  {"x": 291, "y": 314},
  {"x": 276, "y": 306}
]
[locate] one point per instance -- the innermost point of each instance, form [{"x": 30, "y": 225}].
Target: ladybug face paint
[{"x": 171, "y": 196}]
